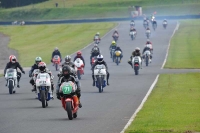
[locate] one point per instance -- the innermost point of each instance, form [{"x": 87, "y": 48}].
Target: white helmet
[
  {"x": 96, "y": 45},
  {"x": 98, "y": 33},
  {"x": 56, "y": 48},
  {"x": 100, "y": 58}
]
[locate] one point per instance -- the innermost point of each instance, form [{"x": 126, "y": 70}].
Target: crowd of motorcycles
[{"x": 69, "y": 100}]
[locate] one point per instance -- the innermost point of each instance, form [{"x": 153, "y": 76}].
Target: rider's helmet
[
  {"x": 38, "y": 60},
  {"x": 148, "y": 28},
  {"x": 95, "y": 49},
  {"x": 165, "y": 19},
  {"x": 56, "y": 48},
  {"x": 132, "y": 20},
  {"x": 115, "y": 30},
  {"x": 99, "y": 58},
  {"x": 98, "y": 33},
  {"x": 67, "y": 59},
  {"x": 137, "y": 49},
  {"x": 79, "y": 54},
  {"x": 113, "y": 43},
  {"x": 117, "y": 47},
  {"x": 42, "y": 66},
  {"x": 12, "y": 58},
  {"x": 66, "y": 70}
]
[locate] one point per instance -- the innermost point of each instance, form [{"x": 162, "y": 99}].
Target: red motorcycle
[
  {"x": 80, "y": 67},
  {"x": 69, "y": 100},
  {"x": 93, "y": 60},
  {"x": 56, "y": 61}
]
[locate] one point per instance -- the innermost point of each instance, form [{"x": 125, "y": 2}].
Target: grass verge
[
  {"x": 173, "y": 106},
  {"x": 184, "y": 48},
  {"x": 40, "y": 40},
  {"x": 1, "y": 75},
  {"x": 97, "y": 9}
]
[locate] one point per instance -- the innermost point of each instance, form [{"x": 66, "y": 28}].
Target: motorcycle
[
  {"x": 112, "y": 54},
  {"x": 145, "y": 24},
  {"x": 137, "y": 63},
  {"x": 115, "y": 37},
  {"x": 132, "y": 24},
  {"x": 148, "y": 33},
  {"x": 11, "y": 79},
  {"x": 96, "y": 39},
  {"x": 80, "y": 67},
  {"x": 117, "y": 57},
  {"x": 43, "y": 87},
  {"x": 165, "y": 25},
  {"x": 100, "y": 77},
  {"x": 146, "y": 57},
  {"x": 56, "y": 61},
  {"x": 132, "y": 34},
  {"x": 154, "y": 26},
  {"x": 69, "y": 100}
]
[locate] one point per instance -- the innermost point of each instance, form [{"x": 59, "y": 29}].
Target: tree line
[{"x": 18, "y": 3}]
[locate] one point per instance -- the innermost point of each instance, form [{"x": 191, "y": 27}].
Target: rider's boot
[{"x": 34, "y": 88}]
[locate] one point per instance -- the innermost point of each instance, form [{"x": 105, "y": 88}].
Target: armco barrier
[{"x": 101, "y": 20}]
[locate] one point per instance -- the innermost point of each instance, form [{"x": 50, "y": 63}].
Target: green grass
[
  {"x": 1, "y": 75},
  {"x": 76, "y": 9},
  {"x": 173, "y": 106},
  {"x": 40, "y": 40},
  {"x": 184, "y": 49}
]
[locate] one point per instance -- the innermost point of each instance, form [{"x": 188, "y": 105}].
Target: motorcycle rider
[
  {"x": 165, "y": 20},
  {"x": 115, "y": 32},
  {"x": 68, "y": 75},
  {"x": 35, "y": 66},
  {"x": 97, "y": 36},
  {"x": 151, "y": 46},
  {"x": 112, "y": 46},
  {"x": 79, "y": 55},
  {"x": 154, "y": 23},
  {"x": 43, "y": 69},
  {"x": 95, "y": 52},
  {"x": 100, "y": 61},
  {"x": 14, "y": 64},
  {"x": 56, "y": 52},
  {"x": 147, "y": 48},
  {"x": 132, "y": 23},
  {"x": 119, "y": 49},
  {"x": 136, "y": 52},
  {"x": 133, "y": 30}
]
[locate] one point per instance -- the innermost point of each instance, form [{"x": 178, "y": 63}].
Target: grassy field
[
  {"x": 73, "y": 9},
  {"x": 173, "y": 106},
  {"x": 40, "y": 40},
  {"x": 184, "y": 49}
]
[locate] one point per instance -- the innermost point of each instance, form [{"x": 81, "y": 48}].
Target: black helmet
[{"x": 66, "y": 70}]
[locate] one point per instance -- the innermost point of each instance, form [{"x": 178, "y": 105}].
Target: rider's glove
[{"x": 23, "y": 72}]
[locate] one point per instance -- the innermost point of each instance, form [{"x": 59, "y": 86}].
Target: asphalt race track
[{"x": 106, "y": 112}]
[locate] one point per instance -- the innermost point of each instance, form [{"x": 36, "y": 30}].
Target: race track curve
[{"x": 107, "y": 112}]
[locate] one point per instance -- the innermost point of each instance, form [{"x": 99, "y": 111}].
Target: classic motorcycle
[
  {"x": 43, "y": 87},
  {"x": 146, "y": 56},
  {"x": 115, "y": 37},
  {"x": 69, "y": 100},
  {"x": 100, "y": 77},
  {"x": 56, "y": 61},
  {"x": 165, "y": 24},
  {"x": 11, "y": 79},
  {"x": 137, "y": 64},
  {"x": 132, "y": 34},
  {"x": 117, "y": 57},
  {"x": 148, "y": 33},
  {"x": 80, "y": 67}
]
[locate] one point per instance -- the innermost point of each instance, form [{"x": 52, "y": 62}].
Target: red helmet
[
  {"x": 12, "y": 58},
  {"x": 79, "y": 53}
]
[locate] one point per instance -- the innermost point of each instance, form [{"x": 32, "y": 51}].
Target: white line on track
[
  {"x": 177, "y": 26},
  {"x": 141, "y": 105}
]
